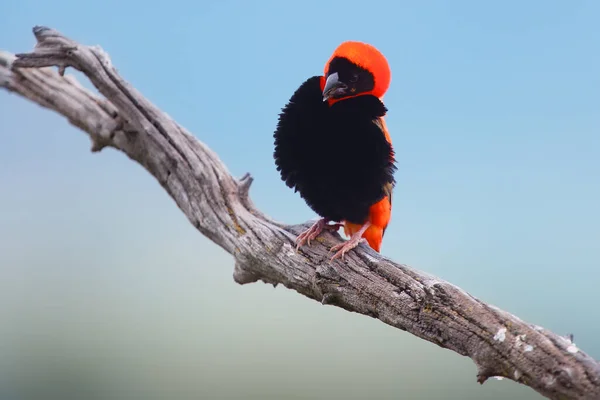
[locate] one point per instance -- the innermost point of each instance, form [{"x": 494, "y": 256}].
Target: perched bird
[{"x": 333, "y": 147}]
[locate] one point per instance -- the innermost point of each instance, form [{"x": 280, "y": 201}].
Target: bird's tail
[{"x": 379, "y": 217}]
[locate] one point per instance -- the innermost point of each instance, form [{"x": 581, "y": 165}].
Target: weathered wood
[{"x": 219, "y": 206}]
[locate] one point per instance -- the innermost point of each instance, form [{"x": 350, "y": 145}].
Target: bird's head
[{"x": 354, "y": 69}]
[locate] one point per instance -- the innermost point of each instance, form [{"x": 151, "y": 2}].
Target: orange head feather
[{"x": 367, "y": 57}]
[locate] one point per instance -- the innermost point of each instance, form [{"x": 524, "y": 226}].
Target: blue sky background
[{"x": 494, "y": 114}]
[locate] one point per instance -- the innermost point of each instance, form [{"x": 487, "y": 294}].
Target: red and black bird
[{"x": 332, "y": 146}]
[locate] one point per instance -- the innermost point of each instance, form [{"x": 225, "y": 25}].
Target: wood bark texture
[{"x": 218, "y": 205}]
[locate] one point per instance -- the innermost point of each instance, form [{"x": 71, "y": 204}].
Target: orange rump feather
[{"x": 379, "y": 216}]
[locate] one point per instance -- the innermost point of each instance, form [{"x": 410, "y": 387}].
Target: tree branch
[{"x": 219, "y": 206}]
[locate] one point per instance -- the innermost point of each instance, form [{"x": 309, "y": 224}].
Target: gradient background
[{"x": 107, "y": 290}]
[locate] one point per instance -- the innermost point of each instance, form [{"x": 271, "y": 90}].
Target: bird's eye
[{"x": 354, "y": 78}]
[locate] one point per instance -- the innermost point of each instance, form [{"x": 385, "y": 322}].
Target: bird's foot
[
  {"x": 345, "y": 247},
  {"x": 314, "y": 231},
  {"x": 349, "y": 244}
]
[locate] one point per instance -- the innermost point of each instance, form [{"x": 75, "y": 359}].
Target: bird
[{"x": 332, "y": 145}]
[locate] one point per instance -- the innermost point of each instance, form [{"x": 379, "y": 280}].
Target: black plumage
[{"x": 335, "y": 156}]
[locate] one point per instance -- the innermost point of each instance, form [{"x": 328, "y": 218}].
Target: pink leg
[
  {"x": 314, "y": 231},
  {"x": 351, "y": 243}
]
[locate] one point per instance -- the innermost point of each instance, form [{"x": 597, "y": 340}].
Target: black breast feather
[{"x": 336, "y": 157}]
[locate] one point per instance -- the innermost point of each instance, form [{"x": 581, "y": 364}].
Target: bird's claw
[
  {"x": 345, "y": 247},
  {"x": 314, "y": 231}
]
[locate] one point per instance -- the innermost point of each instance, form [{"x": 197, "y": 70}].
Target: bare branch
[{"x": 219, "y": 206}]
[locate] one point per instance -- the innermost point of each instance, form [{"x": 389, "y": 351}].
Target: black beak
[{"x": 333, "y": 87}]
